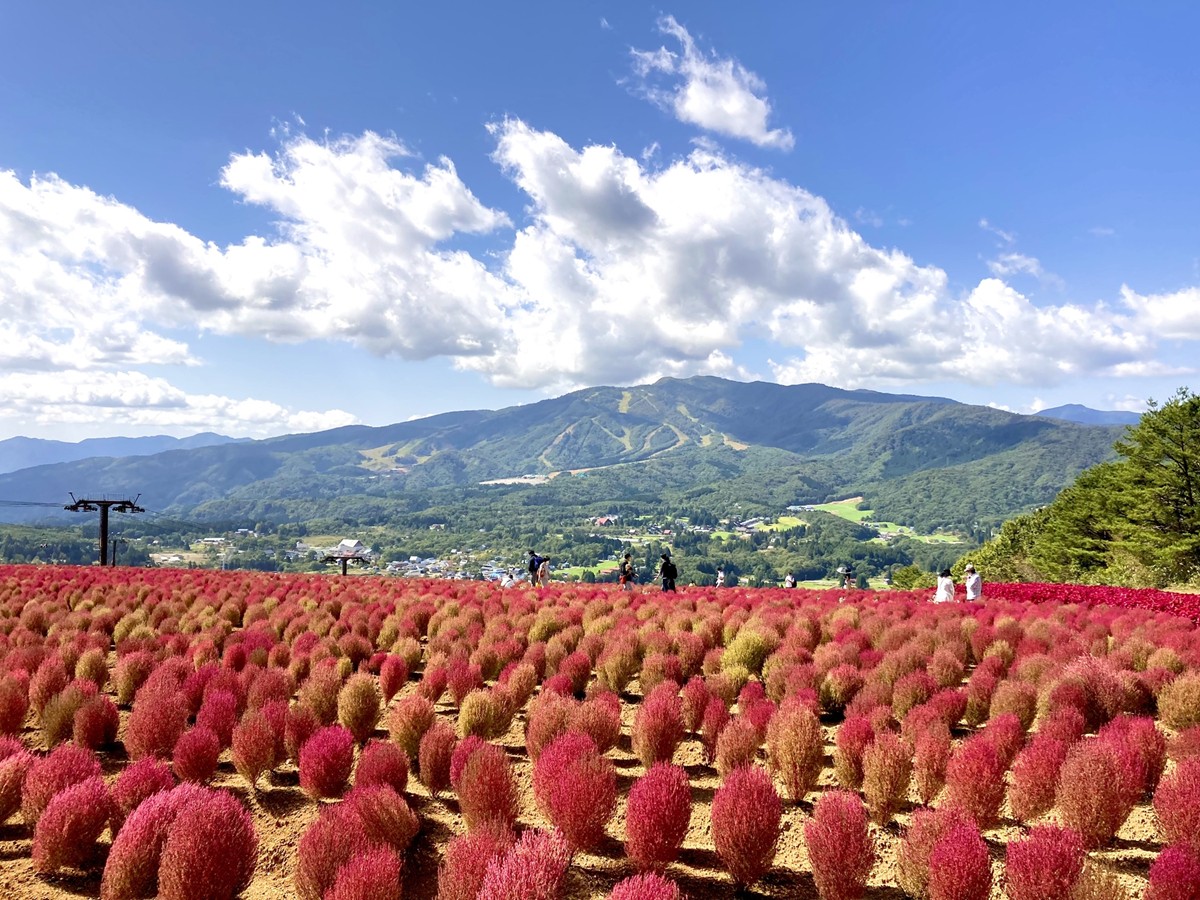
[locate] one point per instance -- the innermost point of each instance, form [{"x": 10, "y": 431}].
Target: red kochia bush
[
  {"x": 434, "y": 754},
  {"x": 923, "y": 833},
  {"x": 647, "y": 886},
  {"x": 658, "y": 725},
  {"x": 1175, "y": 875},
  {"x": 714, "y": 720},
  {"x": 462, "y": 752},
  {"x": 66, "y": 833},
  {"x": 533, "y": 869},
  {"x": 959, "y": 866},
  {"x": 137, "y": 782},
  {"x": 393, "y": 673},
  {"x": 15, "y": 762},
  {"x": 155, "y": 724},
  {"x": 325, "y": 762},
  {"x": 14, "y": 704},
  {"x": 196, "y": 754},
  {"x": 385, "y": 816},
  {"x": 1034, "y": 777},
  {"x": 930, "y": 757},
  {"x": 381, "y": 762},
  {"x": 298, "y": 727},
  {"x": 486, "y": 790},
  {"x": 576, "y": 788},
  {"x": 467, "y": 858},
  {"x": 795, "y": 749},
  {"x": 840, "y": 848},
  {"x": 131, "y": 870},
  {"x": 65, "y": 766},
  {"x": 745, "y": 823},
  {"x": 219, "y": 714},
  {"x": 1092, "y": 797},
  {"x": 1177, "y": 804},
  {"x": 738, "y": 745},
  {"x": 656, "y": 816},
  {"x": 210, "y": 850},
  {"x": 96, "y": 723},
  {"x": 975, "y": 781},
  {"x": 1047, "y": 863},
  {"x": 853, "y": 737},
  {"x": 368, "y": 875},
  {"x": 600, "y": 719},
  {"x": 326, "y": 845}
]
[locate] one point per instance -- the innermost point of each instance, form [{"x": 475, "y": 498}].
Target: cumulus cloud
[
  {"x": 717, "y": 94},
  {"x": 135, "y": 400},
  {"x": 619, "y": 271}
]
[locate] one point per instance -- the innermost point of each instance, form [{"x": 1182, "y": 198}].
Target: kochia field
[{"x": 203, "y": 734}]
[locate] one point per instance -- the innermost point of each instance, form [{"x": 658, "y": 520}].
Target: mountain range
[
  {"x": 1073, "y": 412},
  {"x": 23, "y": 452},
  {"x": 704, "y": 441}
]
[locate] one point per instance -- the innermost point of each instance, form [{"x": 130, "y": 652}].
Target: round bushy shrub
[
  {"x": 975, "y": 781},
  {"x": 1177, "y": 804},
  {"x": 576, "y": 788},
  {"x": 467, "y": 858},
  {"x": 253, "y": 747},
  {"x": 368, "y": 875},
  {"x": 1034, "y": 777},
  {"x": 386, "y": 816},
  {"x": 96, "y": 723},
  {"x": 737, "y": 745},
  {"x": 795, "y": 749},
  {"x": 298, "y": 727},
  {"x": 408, "y": 721},
  {"x": 840, "y": 849},
  {"x": 959, "y": 866},
  {"x": 647, "y": 886},
  {"x": 137, "y": 782},
  {"x": 1179, "y": 702},
  {"x": 656, "y": 816},
  {"x": 66, "y": 765},
  {"x": 887, "y": 771},
  {"x": 486, "y": 790},
  {"x": 853, "y": 737},
  {"x": 533, "y": 869},
  {"x": 210, "y": 850},
  {"x": 382, "y": 762},
  {"x": 925, "y": 829},
  {"x": 196, "y": 754},
  {"x": 358, "y": 706},
  {"x": 658, "y": 725},
  {"x": 434, "y": 754},
  {"x": 326, "y": 845},
  {"x": 1175, "y": 875},
  {"x": 1046, "y": 863},
  {"x": 746, "y": 813},
  {"x": 67, "y": 831},
  {"x": 15, "y": 762},
  {"x": 1092, "y": 797},
  {"x": 325, "y": 762},
  {"x": 132, "y": 868},
  {"x": 155, "y": 724}
]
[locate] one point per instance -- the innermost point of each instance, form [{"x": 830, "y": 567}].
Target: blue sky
[{"x": 273, "y": 217}]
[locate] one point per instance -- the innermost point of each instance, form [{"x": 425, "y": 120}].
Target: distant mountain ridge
[
  {"x": 1084, "y": 415},
  {"x": 22, "y": 452},
  {"x": 701, "y": 440}
]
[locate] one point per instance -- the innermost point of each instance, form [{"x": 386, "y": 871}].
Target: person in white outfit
[
  {"x": 974, "y": 583},
  {"x": 945, "y": 587}
]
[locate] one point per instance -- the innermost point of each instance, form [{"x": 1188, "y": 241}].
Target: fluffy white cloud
[
  {"x": 621, "y": 271},
  {"x": 717, "y": 94},
  {"x": 137, "y": 401}
]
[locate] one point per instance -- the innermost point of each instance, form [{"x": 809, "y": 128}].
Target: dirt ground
[{"x": 282, "y": 812}]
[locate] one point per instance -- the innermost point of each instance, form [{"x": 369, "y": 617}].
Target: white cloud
[
  {"x": 136, "y": 401},
  {"x": 621, "y": 272},
  {"x": 868, "y": 217},
  {"x": 1007, "y": 237},
  {"x": 715, "y": 93},
  {"x": 1102, "y": 231}
]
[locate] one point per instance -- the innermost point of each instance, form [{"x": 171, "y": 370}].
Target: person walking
[
  {"x": 720, "y": 576},
  {"x": 668, "y": 572},
  {"x": 974, "y": 583},
  {"x": 789, "y": 580},
  {"x": 945, "y": 587},
  {"x": 627, "y": 572},
  {"x": 535, "y": 565}
]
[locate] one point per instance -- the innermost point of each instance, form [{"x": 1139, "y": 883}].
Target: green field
[
  {"x": 848, "y": 509},
  {"x": 577, "y": 571}
]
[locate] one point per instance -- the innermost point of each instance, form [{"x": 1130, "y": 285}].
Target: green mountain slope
[{"x": 702, "y": 441}]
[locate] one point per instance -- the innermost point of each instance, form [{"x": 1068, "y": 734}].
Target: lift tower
[{"x": 103, "y": 506}]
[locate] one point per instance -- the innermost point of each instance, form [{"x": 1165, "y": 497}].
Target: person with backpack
[
  {"x": 628, "y": 573},
  {"x": 668, "y": 572},
  {"x": 534, "y": 566}
]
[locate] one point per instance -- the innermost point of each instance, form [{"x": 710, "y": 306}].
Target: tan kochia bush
[
  {"x": 1179, "y": 702},
  {"x": 887, "y": 771},
  {"x": 358, "y": 706},
  {"x": 408, "y": 721},
  {"x": 795, "y": 749}
]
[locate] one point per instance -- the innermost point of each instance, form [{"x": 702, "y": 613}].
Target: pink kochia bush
[
  {"x": 486, "y": 790},
  {"x": 196, "y": 754},
  {"x": 840, "y": 849},
  {"x": 325, "y": 762},
  {"x": 67, "y": 765},
  {"x": 142, "y": 779},
  {"x": 926, "y": 828},
  {"x": 369, "y": 874},
  {"x": 1177, "y": 804},
  {"x": 658, "y": 725},
  {"x": 533, "y": 869},
  {"x": 959, "y": 865},
  {"x": 975, "y": 781},
  {"x": 381, "y": 762},
  {"x": 210, "y": 850},
  {"x": 1175, "y": 875},
  {"x": 15, "y": 762},
  {"x": 853, "y": 738},
  {"x": 647, "y": 886},
  {"x": 1046, "y": 863},
  {"x": 155, "y": 724},
  {"x": 467, "y": 859},
  {"x": 1034, "y": 777},
  {"x": 576, "y": 788},
  {"x": 656, "y": 816},
  {"x": 795, "y": 749},
  {"x": 746, "y": 813},
  {"x": 67, "y": 832},
  {"x": 433, "y": 757}
]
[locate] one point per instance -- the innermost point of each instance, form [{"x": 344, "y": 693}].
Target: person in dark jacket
[{"x": 668, "y": 573}]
